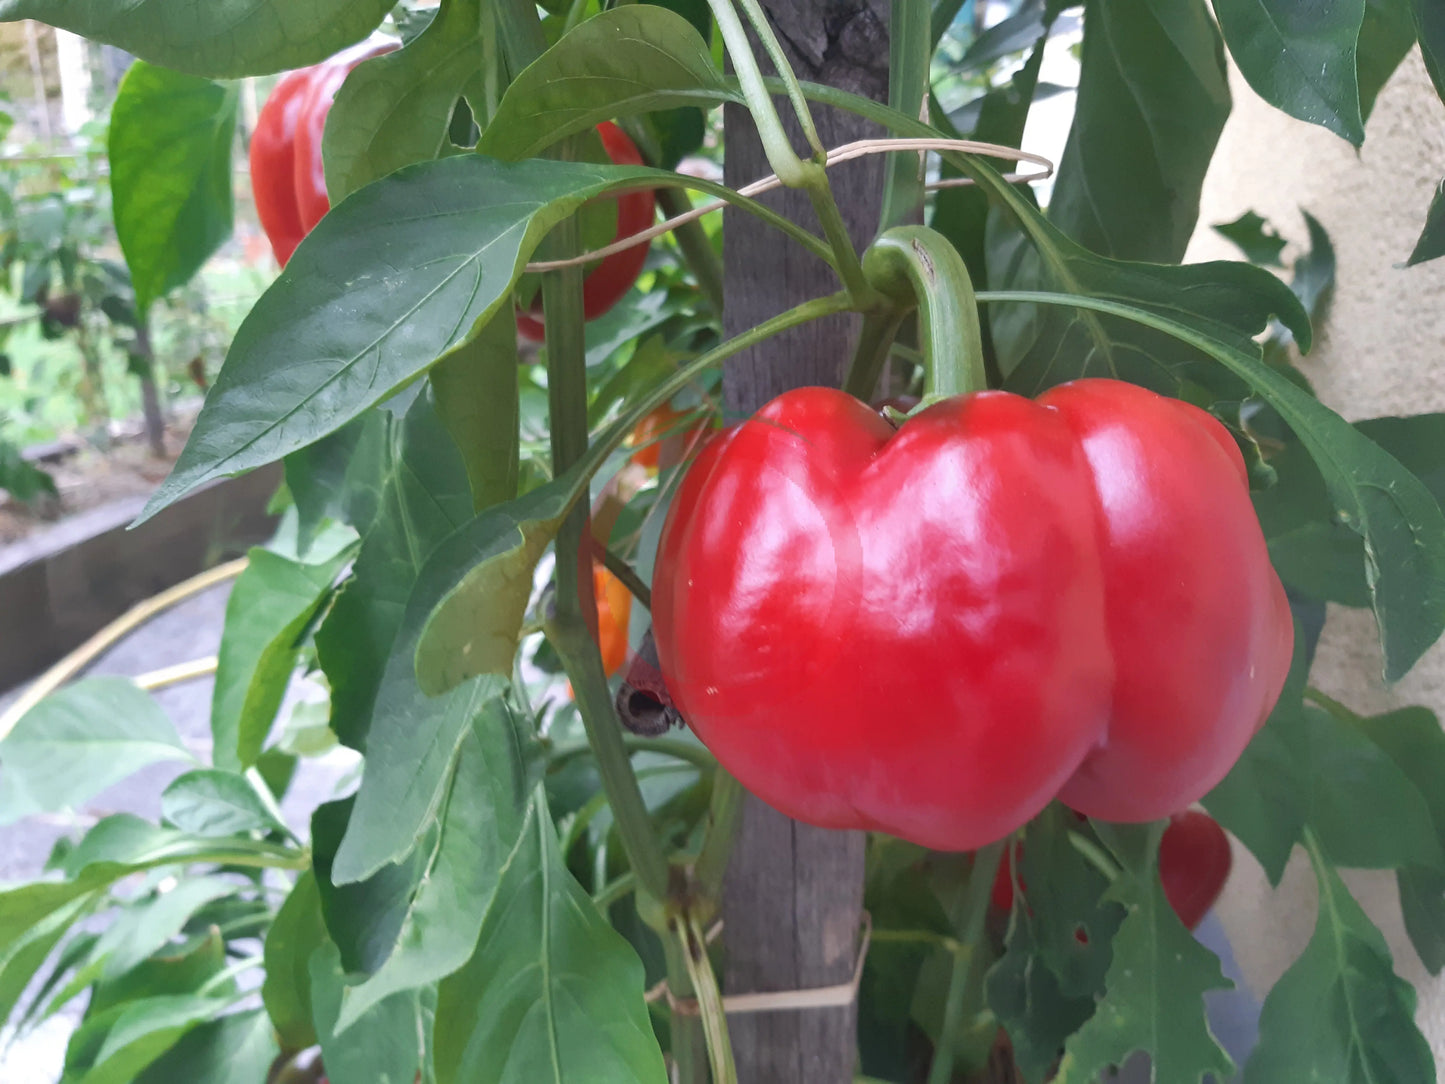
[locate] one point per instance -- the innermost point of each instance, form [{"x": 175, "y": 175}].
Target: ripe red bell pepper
[
  {"x": 934, "y": 631},
  {"x": 288, "y": 180},
  {"x": 605, "y": 284},
  {"x": 1194, "y": 864}
]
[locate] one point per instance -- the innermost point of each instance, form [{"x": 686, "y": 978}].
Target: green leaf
[
  {"x": 1314, "y": 271},
  {"x": 395, "y": 109},
  {"x": 632, "y": 59},
  {"x": 272, "y": 602},
  {"x": 20, "y": 478},
  {"x": 363, "y": 919},
  {"x": 1340, "y": 1013},
  {"x": 387, "y": 1049},
  {"x": 170, "y": 175},
  {"x": 1430, "y": 26},
  {"x": 419, "y": 494},
  {"x": 481, "y": 825},
  {"x": 1432, "y": 238},
  {"x": 1024, "y": 994},
  {"x": 1422, "y": 903},
  {"x": 186, "y": 970},
  {"x": 140, "y": 1032},
  {"x": 78, "y": 741},
  {"x": 1154, "y": 991},
  {"x": 210, "y": 802},
  {"x": 338, "y": 477},
  {"x": 1399, "y": 519},
  {"x": 476, "y": 398},
  {"x": 24, "y": 956},
  {"x": 1300, "y": 57},
  {"x": 551, "y": 992},
  {"x": 1153, "y": 99},
  {"x": 236, "y": 1049},
  {"x": 148, "y": 925},
  {"x": 411, "y": 747},
  {"x": 1255, "y": 237},
  {"x": 124, "y": 843},
  {"x": 393, "y": 278},
  {"x": 1386, "y": 36},
  {"x": 476, "y": 585},
  {"x": 297, "y": 932},
  {"x": 219, "y": 41}
]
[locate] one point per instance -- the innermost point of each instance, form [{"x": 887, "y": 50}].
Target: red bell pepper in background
[
  {"x": 934, "y": 631},
  {"x": 287, "y": 177},
  {"x": 605, "y": 284},
  {"x": 1194, "y": 864}
]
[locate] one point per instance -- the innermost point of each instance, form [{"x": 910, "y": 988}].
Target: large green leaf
[
  {"x": 632, "y": 59},
  {"x": 1153, "y": 999},
  {"x": 149, "y": 924},
  {"x": 211, "y": 802},
  {"x": 410, "y": 749},
  {"x": 1299, "y": 56},
  {"x": 26, "y": 953},
  {"x": 124, "y": 843},
  {"x": 271, "y": 604},
  {"x": 477, "y": 400},
  {"x": 170, "y": 175},
  {"x": 394, "y": 110},
  {"x": 1397, "y": 516},
  {"x": 216, "y": 40},
  {"x": 1430, "y": 26},
  {"x": 1386, "y": 36},
  {"x": 236, "y": 1049},
  {"x": 551, "y": 992},
  {"x": 419, "y": 495},
  {"x": 1024, "y": 994},
  {"x": 386, "y": 1049},
  {"x": 297, "y": 932},
  {"x": 78, "y": 741},
  {"x": 339, "y": 477},
  {"x": 1340, "y": 1013},
  {"x": 1153, "y": 99},
  {"x": 136, "y": 1034},
  {"x": 480, "y": 827},
  {"x": 364, "y": 918},
  {"x": 396, "y": 276}
]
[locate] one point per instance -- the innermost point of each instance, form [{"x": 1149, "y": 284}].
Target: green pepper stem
[
  {"x": 915, "y": 265},
  {"x": 980, "y": 887}
]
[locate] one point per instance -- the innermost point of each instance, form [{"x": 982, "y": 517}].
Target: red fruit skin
[
  {"x": 605, "y": 284},
  {"x": 1197, "y": 618},
  {"x": 288, "y": 180},
  {"x": 1194, "y": 864},
  {"x": 918, "y": 632},
  {"x": 273, "y": 164}
]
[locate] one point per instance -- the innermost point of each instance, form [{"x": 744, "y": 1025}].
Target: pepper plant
[{"x": 520, "y": 890}]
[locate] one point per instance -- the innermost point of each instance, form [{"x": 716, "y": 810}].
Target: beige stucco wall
[{"x": 1380, "y": 351}]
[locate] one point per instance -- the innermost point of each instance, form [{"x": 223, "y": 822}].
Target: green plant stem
[
  {"x": 850, "y": 267},
  {"x": 910, "y": 48},
  {"x": 918, "y": 265},
  {"x": 774, "y": 49},
  {"x": 980, "y": 887},
  {"x": 709, "y": 999},
  {"x": 615, "y": 890},
  {"x": 689, "y": 1044},
  {"x": 724, "y": 813},
  {"x": 697, "y": 251},
  {"x": 776, "y": 144},
  {"x": 693, "y": 753},
  {"x": 875, "y": 342},
  {"x": 569, "y": 627}
]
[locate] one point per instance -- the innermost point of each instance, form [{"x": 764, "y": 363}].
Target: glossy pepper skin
[
  {"x": 1194, "y": 864},
  {"x": 605, "y": 284},
  {"x": 288, "y": 179},
  {"x": 934, "y": 631}
]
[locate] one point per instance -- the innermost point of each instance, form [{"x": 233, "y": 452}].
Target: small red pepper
[
  {"x": 1194, "y": 864},
  {"x": 935, "y": 631}
]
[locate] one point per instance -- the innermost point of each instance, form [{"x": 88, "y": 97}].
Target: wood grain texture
[{"x": 793, "y": 898}]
